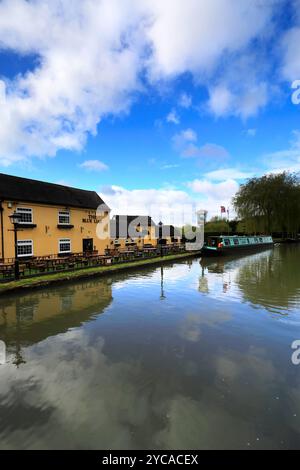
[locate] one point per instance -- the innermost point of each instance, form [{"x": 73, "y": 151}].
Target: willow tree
[
  {"x": 218, "y": 225},
  {"x": 270, "y": 203}
]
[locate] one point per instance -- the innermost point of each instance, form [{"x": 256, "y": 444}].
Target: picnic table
[
  {"x": 7, "y": 269},
  {"x": 101, "y": 259},
  {"x": 126, "y": 254},
  {"x": 150, "y": 251}
]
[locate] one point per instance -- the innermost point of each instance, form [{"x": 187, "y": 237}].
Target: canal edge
[{"x": 68, "y": 277}]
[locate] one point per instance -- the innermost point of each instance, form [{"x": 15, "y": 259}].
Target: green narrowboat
[{"x": 223, "y": 244}]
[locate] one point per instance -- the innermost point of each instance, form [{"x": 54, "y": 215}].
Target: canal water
[{"x": 196, "y": 354}]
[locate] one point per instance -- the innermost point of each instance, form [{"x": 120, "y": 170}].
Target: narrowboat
[{"x": 223, "y": 245}]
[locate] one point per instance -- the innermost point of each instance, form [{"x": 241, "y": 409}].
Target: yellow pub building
[{"x": 53, "y": 219}]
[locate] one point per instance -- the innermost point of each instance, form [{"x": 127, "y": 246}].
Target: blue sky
[{"x": 150, "y": 103}]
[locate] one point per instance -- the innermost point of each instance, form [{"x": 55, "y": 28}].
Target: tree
[
  {"x": 270, "y": 203},
  {"x": 234, "y": 224},
  {"x": 218, "y": 225}
]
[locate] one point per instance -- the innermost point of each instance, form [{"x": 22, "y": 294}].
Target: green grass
[{"x": 47, "y": 279}]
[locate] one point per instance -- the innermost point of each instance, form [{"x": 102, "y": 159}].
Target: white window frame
[
  {"x": 25, "y": 210},
  {"x": 64, "y": 240},
  {"x": 64, "y": 213},
  {"x": 25, "y": 243}
]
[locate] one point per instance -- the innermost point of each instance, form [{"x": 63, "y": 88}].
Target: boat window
[
  {"x": 248, "y": 241},
  {"x": 261, "y": 240},
  {"x": 227, "y": 242},
  {"x": 236, "y": 241},
  {"x": 213, "y": 241},
  {"x": 256, "y": 240}
]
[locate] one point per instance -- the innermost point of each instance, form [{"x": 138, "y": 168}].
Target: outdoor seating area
[{"x": 42, "y": 265}]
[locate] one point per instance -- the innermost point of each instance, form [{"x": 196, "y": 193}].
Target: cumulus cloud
[
  {"x": 245, "y": 102},
  {"x": 172, "y": 206},
  {"x": 223, "y": 189},
  {"x": 202, "y": 32},
  {"x": 89, "y": 62},
  {"x": 94, "y": 165},
  {"x": 185, "y": 101},
  {"x": 291, "y": 62},
  {"x": 206, "y": 151},
  {"x": 185, "y": 142},
  {"x": 91, "y": 56},
  {"x": 173, "y": 117},
  {"x": 184, "y": 138},
  {"x": 214, "y": 194},
  {"x": 290, "y": 47}
]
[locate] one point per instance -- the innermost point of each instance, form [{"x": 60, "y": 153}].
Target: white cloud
[
  {"x": 91, "y": 54},
  {"x": 290, "y": 47},
  {"x": 202, "y": 32},
  {"x": 186, "y": 136},
  {"x": 169, "y": 166},
  {"x": 185, "y": 101},
  {"x": 86, "y": 71},
  {"x": 220, "y": 100},
  {"x": 172, "y": 206},
  {"x": 286, "y": 159},
  {"x": 223, "y": 189},
  {"x": 185, "y": 143},
  {"x": 189, "y": 135},
  {"x": 183, "y": 139},
  {"x": 173, "y": 117},
  {"x": 215, "y": 194},
  {"x": 206, "y": 151},
  {"x": 251, "y": 132},
  {"x": 245, "y": 102},
  {"x": 94, "y": 165},
  {"x": 227, "y": 174}
]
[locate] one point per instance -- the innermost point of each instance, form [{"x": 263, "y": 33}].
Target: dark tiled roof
[
  {"x": 14, "y": 188},
  {"x": 120, "y": 223}
]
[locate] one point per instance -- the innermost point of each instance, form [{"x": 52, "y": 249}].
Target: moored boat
[{"x": 223, "y": 244}]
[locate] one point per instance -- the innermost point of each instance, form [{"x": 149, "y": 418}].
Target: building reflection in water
[{"x": 30, "y": 318}]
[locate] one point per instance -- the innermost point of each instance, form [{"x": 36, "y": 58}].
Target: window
[
  {"x": 25, "y": 248},
  {"x": 64, "y": 218},
  {"x": 26, "y": 215},
  {"x": 236, "y": 241},
  {"x": 64, "y": 245},
  {"x": 227, "y": 242},
  {"x": 212, "y": 242}
]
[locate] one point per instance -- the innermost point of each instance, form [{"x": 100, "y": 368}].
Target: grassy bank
[{"x": 49, "y": 279}]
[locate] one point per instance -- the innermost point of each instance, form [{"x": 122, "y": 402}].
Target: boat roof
[{"x": 239, "y": 236}]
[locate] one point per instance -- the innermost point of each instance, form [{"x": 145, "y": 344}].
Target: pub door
[{"x": 87, "y": 245}]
